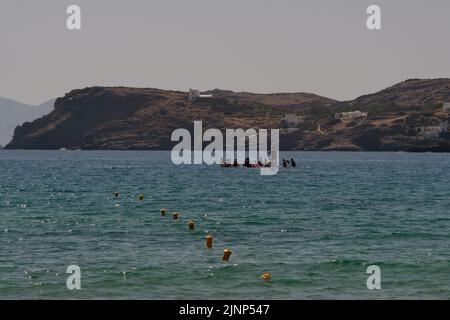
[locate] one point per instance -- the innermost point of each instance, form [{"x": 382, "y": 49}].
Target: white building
[
  {"x": 446, "y": 107},
  {"x": 432, "y": 132},
  {"x": 429, "y": 132},
  {"x": 195, "y": 94},
  {"x": 350, "y": 115}
]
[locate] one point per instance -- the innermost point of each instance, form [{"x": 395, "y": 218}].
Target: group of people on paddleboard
[{"x": 258, "y": 164}]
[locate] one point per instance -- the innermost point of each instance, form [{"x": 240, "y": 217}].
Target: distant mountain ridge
[
  {"x": 409, "y": 93},
  {"x": 120, "y": 118},
  {"x": 144, "y": 118},
  {"x": 14, "y": 113}
]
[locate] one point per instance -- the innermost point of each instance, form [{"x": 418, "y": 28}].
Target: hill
[
  {"x": 119, "y": 118},
  {"x": 14, "y": 113}
]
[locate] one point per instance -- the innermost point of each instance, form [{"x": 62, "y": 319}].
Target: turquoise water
[{"x": 315, "y": 228}]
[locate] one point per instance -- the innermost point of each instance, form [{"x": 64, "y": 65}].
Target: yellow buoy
[
  {"x": 141, "y": 197},
  {"x": 162, "y": 211},
  {"x": 191, "y": 225},
  {"x": 226, "y": 254},
  {"x": 116, "y": 194},
  {"x": 209, "y": 241},
  {"x": 266, "y": 276},
  {"x": 175, "y": 216}
]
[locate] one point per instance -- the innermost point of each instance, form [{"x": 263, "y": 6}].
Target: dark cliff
[{"x": 121, "y": 118}]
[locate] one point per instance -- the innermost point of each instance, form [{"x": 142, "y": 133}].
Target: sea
[{"x": 319, "y": 229}]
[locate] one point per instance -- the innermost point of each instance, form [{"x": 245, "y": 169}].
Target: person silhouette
[{"x": 293, "y": 164}]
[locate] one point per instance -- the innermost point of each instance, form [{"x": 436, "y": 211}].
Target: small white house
[
  {"x": 194, "y": 94},
  {"x": 446, "y": 107},
  {"x": 350, "y": 115},
  {"x": 429, "y": 132},
  {"x": 432, "y": 132}
]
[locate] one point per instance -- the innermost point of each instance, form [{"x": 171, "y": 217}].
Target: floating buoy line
[{"x": 191, "y": 226}]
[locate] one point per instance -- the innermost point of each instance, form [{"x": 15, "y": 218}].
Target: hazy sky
[{"x": 314, "y": 46}]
